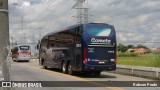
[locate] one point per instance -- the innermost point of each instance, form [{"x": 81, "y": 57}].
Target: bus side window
[
  {"x": 52, "y": 45},
  {"x": 79, "y": 31},
  {"x": 38, "y": 46},
  {"x": 65, "y": 53},
  {"x": 43, "y": 50}
]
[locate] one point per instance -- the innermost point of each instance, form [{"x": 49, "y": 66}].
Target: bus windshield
[
  {"x": 99, "y": 30},
  {"x": 24, "y": 48}
]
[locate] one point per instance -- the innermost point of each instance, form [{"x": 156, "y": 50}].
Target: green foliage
[
  {"x": 127, "y": 55},
  {"x": 122, "y": 48},
  {"x": 142, "y": 46},
  {"x": 130, "y": 46},
  {"x": 148, "y": 60},
  {"x": 148, "y": 50},
  {"x": 157, "y": 61},
  {"x": 131, "y": 51},
  {"x": 35, "y": 56}
]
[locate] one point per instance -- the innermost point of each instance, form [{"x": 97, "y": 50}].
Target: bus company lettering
[{"x": 94, "y": 40}]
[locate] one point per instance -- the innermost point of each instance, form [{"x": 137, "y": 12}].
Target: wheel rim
[
  {"x": 70, "y": 69},
  {"x": 44, "y": 65},
  {"x": 63, "y": 68}
]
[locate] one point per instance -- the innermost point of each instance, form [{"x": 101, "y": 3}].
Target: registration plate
[{"x": 101, "y": 62}]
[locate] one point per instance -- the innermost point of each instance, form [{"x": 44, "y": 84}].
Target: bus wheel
[
  {"x": 64, "y": 68},
  {"x": 70, "y": 71},
  {"x": 44, "y": 66},
  {"x": 97, "y": 73}
]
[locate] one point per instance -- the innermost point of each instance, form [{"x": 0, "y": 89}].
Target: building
[
  {"x": 137, "y": 50},
  {"x": 156, "y": 51}
]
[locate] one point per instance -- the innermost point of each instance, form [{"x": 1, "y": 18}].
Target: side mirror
[
  {"x": 12, "y": 50},
  {"x": 38, "y": 46}
]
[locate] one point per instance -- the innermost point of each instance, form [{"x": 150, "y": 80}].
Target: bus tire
[
  {"x": 44, "y": 66},
  {"x": 97, "y": 73},
  {"x": 70, "y": 71},
  {"x": 64, "y": 68},
  {"x": 40, "y": 62}
]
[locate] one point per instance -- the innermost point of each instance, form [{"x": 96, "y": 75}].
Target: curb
[{"x": 140, "y": 71}]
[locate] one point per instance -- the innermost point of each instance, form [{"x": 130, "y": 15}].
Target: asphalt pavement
[{"x": 31, "y": 71}]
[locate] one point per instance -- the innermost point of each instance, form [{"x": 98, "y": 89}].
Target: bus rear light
[
  {"x": 112, "y": 60},
  {"x": 85, "y": 56},
  {"x": 85, "y": 61},
  {"x": 21, "y": 53},
  {"x": 27, "y": 53}
]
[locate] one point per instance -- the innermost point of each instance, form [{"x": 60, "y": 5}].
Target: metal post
[
  {"x": 4, "y": 39},
  {"x": 82, "y": 11}
]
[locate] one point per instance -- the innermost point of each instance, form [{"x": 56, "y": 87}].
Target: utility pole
[
  {"x": 82, "y": 11},
  {"x": 40, "y": 33},
  {"x": 22, "y": 24},
  {"x": 33, "y": 38},
  {"x": 4, "y": 39},
  {"x": 11, "y": 42}
]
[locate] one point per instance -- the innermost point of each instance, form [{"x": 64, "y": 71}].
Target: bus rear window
[
  {"x": 99, "y": 30},
  {"x": 24, "y": 47}
]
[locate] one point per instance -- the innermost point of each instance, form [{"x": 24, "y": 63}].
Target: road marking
[{"x": 76, "y": 78}]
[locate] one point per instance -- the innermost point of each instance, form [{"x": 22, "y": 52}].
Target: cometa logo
[{"x": 94, "y": 40}]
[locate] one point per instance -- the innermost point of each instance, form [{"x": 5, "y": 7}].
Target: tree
[
  {"x": 142, "y": 46},
  {"x": 122, "y": 48},
  {"x": 130, "y": 46},
  {"x": 147, "y": 50}
]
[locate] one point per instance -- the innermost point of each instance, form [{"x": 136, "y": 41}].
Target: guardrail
[{"x": 147, "y": 72}]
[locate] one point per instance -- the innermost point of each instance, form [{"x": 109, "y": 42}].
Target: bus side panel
[{"x": 78, "y": 49}]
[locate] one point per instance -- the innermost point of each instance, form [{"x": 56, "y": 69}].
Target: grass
[{"x": 148, "y": 60}]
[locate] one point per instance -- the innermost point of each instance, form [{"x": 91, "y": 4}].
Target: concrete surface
[
  {"x": 147, "y": 72},
  {"x": 24, "y": 71}
]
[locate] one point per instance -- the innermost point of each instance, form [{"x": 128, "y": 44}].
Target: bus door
[
  {"x": 77, "y": 54},
  {"x": 77, "y": 51}
]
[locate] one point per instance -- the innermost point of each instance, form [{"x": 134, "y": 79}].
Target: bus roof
[
  {"x": 21, "y": 45},
  {"x": 67, "y": 28}
]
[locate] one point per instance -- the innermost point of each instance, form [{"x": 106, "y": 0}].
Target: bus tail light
[
  {"x": 29, "y": 53},
  {"x": 26, "y": 53},
  {"x": 19, "y": 53},
  {"x": 85, "y": 56}
]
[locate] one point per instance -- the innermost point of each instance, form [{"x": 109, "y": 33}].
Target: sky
[{"x": 135, "y": 21}]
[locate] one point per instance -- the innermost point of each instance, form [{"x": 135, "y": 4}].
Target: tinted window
[
  {"x": 24, "y": 47},
  {"x": 98, "y": 30}
]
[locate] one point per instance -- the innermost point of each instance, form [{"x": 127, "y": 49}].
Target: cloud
[
  {"x": 26, "y": 3},
  {"x": 134, "y": 20}
]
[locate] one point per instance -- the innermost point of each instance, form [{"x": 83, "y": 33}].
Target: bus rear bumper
[
  {"x": 99, "y": 67},
  {"x": 23, "y": 59}
]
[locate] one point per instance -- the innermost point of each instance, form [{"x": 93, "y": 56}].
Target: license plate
[{"x": 101, "y": 62}]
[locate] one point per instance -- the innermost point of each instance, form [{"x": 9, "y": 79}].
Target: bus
[
  {"x": 89, "y": 48},
  {"x": 21, "y": 53}
]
